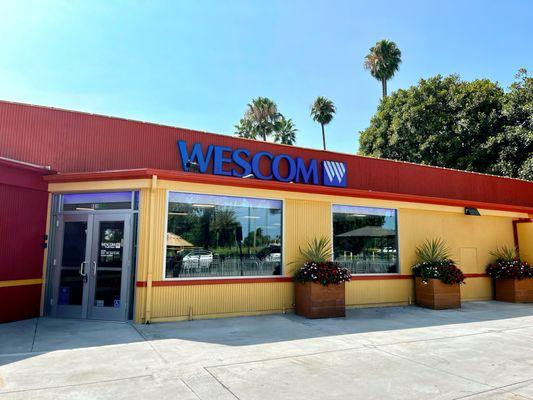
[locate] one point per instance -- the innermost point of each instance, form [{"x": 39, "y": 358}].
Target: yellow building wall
[
  {"x": 525, "y": 241},
  {"x": 306, "y": 216}
]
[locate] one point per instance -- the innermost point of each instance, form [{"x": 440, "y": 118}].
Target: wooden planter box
[
  {"x": 314, "y": 300},
  {"x": 514, "y": 290},
  {"x": 437, "y": 295}
]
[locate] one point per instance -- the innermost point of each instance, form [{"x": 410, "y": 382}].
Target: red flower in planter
[
  {"x": 444, "y": 270},
  {"x": 325, "y": 273},
  {"x": 510, "y": 269}
]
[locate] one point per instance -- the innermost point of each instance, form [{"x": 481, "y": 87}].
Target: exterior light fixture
[
  {"x": 472, "y": 211},
  {"x": 249, "y": 176}
]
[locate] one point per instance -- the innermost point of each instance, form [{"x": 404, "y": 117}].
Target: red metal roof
[{"x": 71, "y": 141}]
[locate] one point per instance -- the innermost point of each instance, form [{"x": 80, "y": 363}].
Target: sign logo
[
  {"x": 334, "y": 173},
  {"x": 241, "y": 163}
]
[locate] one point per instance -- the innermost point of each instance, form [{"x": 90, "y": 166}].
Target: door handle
[
  {"x": 94, "y": 268},
  {"x": 82, "y": 269}
]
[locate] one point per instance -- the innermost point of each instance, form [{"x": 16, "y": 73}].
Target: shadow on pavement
[{"x": 24, "y": 339}]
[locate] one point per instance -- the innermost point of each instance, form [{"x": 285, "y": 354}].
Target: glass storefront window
[
  {"x": 218, "y": 236},
  {"x": 365, "y": 239}
]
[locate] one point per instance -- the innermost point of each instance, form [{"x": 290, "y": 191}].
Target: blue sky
[{"x": 196, "y": 64}]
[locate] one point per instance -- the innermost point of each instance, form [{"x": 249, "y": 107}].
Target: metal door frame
[
  {"x": 69, "y": 311},
  {"x": 109, "y": 313},
  {"x": 58, "y": 216}
]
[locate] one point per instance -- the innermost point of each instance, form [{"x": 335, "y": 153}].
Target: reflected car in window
[{"x": 197, "y": 259}]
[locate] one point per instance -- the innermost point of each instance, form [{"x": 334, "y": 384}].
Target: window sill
[{"x": 216, "y": 281}]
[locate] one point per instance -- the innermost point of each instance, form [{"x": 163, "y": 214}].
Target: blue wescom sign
[{"x": 242, "y": 163}]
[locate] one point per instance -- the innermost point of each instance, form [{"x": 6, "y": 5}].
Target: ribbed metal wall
[
  {"x": 23, "y": 204},
  {"x": 379, "y": 292},
  {"x": 22, "y": 226},
  {"x": 204, "y": 300},
  {"x": 76, "y": 142},
  {"x": 304, "y": 221}
]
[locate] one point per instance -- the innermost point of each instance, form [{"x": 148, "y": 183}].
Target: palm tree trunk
[
  {"x": 384, "y": 87},
  {"x": 323, "y": 137}
]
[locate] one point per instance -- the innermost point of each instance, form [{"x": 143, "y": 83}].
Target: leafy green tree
[
  {"x": 285, "y": 132},
  {"x": 448, "y": 122},
  {"x": 383, "y": 61},
  {"x": 512, "y": 148},
  {"x": 262, "y": 120},
  {"x": 322, "y": 111}
]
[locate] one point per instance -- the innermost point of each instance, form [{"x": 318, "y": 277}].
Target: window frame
[
  {"x": 397, "y": 211},
  {"x": 59, "y": 208},
  {"x": 214, "y": 277}
]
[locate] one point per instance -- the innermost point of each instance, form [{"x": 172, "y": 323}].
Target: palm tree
[
  {"x": 244, "y": 129},
  {"x": 322, "y": 111},
  {"x": 285, "y": 131},
  {"x": 260, "y": 119},
  {"x": 383, "y": 61}
]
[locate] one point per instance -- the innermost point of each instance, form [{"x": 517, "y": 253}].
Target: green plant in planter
[
  {"x": 434, "y": 262},
  {"x": 507, "y": 265},
  {"x": 318, "y": 267},
  {"x": 505, "y": 253},
  {"x": 318, "y": 250}
]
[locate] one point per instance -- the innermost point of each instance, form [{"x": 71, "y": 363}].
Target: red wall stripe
[{"x": 220, "y": 281}]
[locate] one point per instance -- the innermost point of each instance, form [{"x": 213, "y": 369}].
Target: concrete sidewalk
[{"x": 484, "y": 351}]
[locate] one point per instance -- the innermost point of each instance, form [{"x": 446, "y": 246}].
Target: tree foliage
[
  {"x": 322, "y": 111},
  {"x": 262, "y": 120},
  {"x": 447, "y": 122},
  {"x": 285, "y": 131},
  {"x": 383, "y": 61}
]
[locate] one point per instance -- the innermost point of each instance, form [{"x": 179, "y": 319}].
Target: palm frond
[
  {"x": 318, "y": 250},
  {"x": 433, "y": 250},
  {"x": 505, "y": 253},
  {"x": 322, "y": 110}
]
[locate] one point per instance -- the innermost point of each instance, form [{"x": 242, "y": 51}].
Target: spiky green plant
[
  {"x": 433, "y": 250},
  {"x": 318, "y": 250},
  {"x": 505, "y": 253}
]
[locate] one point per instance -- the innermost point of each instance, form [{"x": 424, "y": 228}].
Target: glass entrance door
[
  {"x": 92, "y": 265},
  {"x": 110, "y": 266},
  {"x": 70, "y": 266}
]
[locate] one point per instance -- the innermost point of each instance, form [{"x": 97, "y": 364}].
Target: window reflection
[
  {"x": 365, "y": 239},
  {"x": 222, "y": 236}
]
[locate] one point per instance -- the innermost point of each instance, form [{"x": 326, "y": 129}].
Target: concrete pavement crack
[
  {"x": 190, "y": 388},
  {"x": 34, "y": 334},
  {"x": 220, "y": 383},
  {"x": 165, "y": 361},
  {"x": 499, "y": 388},
  {"x": 434, "y": 368},
  {"x": 75, "y": 384}
]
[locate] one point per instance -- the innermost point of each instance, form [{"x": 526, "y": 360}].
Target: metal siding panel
[
  {"x": 304, "y": 221},
  {"x": 22, "y": 226},
  {"x": 24, "y": 302},
  {"x": 212, "y": 300},
  {"x": 77, "y": 142}
]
